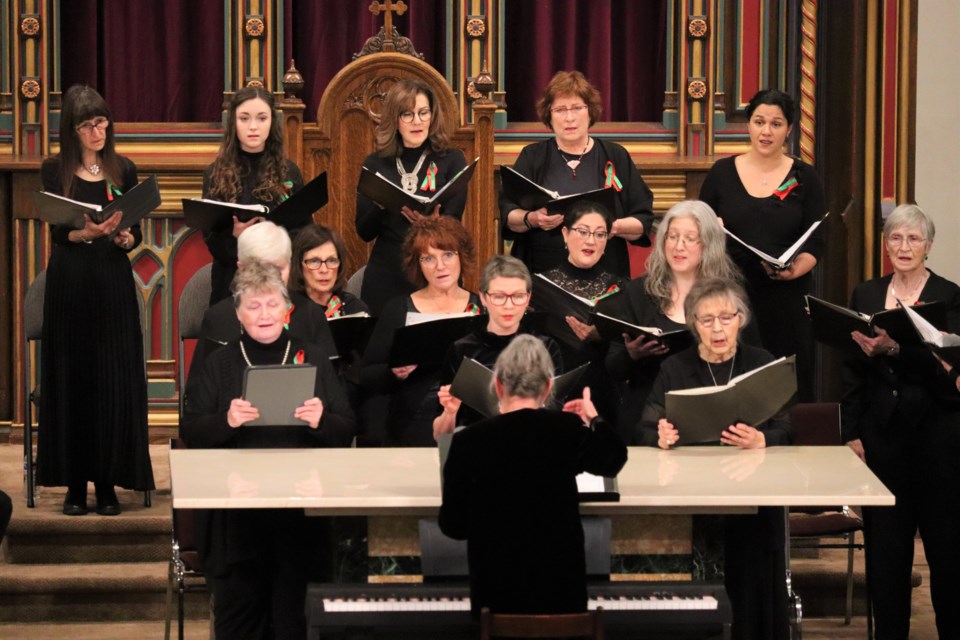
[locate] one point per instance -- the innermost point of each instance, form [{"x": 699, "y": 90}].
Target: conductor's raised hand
[
  {"x": 667, "y": 434},
  {"x": 241, "y": 412},
  {"x": 449, "y": 402},
  {"x": 583, "y": 407},
  {"x": 240, "y": 227},
  {"x": 643, "y": 347},
  {"x": 310, "y": 412}
]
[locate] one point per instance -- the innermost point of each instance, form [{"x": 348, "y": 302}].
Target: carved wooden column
[
  {"x": 486, "y": 228},
  {"x": 808, "y": 80},
  {"x": 33, "y": 23},
  {"x": 696, "y": 71},
  {"x": 292, "y": 108}
]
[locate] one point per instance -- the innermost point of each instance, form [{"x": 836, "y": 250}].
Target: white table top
[{"x": 407, "y": 481}]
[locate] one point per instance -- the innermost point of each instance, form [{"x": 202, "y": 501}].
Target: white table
[{"x": 407, "y": 481}]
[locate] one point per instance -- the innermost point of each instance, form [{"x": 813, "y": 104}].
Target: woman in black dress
[
  {"x": 769, "y": 199},
  {"x": 250, "y": 169},
  {"x": 573, "y": 162},
  {"x": 585, "y": 233},
  {"x": 319, "y": 271},
  {"x": 93, "y": 409},
  {"x": 901, "y": 414},
  {"x": 437, "y": 253},
  {"x": 688, "y": 247},
  {"x": 505, "y": 291},
  {"x": 754, "y": 559},
  {"x": 256, "y": 560},
  {"x": 413, "y": 151},
  {"x": 510, "y": 489}
]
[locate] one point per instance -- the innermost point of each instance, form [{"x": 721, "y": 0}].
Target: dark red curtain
[
  {"x": 620, "y": 45},
  {"x": 152, "y": 60},
  {"x": 323, "y": 35}
]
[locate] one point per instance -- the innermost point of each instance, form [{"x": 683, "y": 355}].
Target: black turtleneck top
[
  {"x": 383, "y": 278},
  {"x": 222, "y": 244}
]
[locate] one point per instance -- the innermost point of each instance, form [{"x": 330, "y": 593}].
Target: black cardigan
[{"x": 634, "y": 200}]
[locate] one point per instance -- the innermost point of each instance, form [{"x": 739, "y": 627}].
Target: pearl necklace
[
  {"x": 243, "y": 351},
  {"x": 733, "y": 361}
]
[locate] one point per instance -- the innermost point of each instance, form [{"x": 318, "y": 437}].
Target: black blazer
[{"x": 880, "y": 389}]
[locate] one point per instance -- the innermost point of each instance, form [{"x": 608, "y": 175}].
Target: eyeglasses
[
  {"x": 446, "y": 257},
  {"x": 725, "y": 319},
  {"x": 677, "y": 239},
  {"x": 424, "y": 114},
  {"x": 585, "y": 233},
  {"x": 315, "y": 263},
  {"x": 99, "y": 124},
  {"x": 563, "y": 111},
  {"x": 913, "y": 241},
  {"x": 499, "y": 299}
]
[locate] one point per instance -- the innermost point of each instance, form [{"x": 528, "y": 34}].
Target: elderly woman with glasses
[
  {"x": 716, "y": 311},
  {"x": 319, "y": 271},
  {"x": 689, "y": 247},
  {"x": 437, "y": 253},
  {"x": 901, "y": 414},
  {"x": 505, "y": 291},
  {"x": 573, "y": 162},
  {"x": 413, "y": 151}
]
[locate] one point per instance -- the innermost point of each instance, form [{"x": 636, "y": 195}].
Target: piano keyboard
[{"x": 630, "y": 609}]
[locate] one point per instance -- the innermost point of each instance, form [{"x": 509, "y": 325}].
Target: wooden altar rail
[{"x": 25, "y": 244}]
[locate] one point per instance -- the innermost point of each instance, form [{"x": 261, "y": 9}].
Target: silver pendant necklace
[
  {"x": 408, "y": 180},
  {"x": 246, "y": 358},
  {"x": 93, "y": 169},
  {"x": 733, "y": 361}
]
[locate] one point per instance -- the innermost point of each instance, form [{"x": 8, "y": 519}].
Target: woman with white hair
[
  {"x": 754, "y": 563},
  {"x": 901, "y": 413},
  {"x": 689, "y": 247},
  {"x": 510, "y": 489},
  {"x": 255, "y": 560}
]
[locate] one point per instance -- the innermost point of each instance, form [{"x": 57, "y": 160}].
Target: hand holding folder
[
  {"x": 785, "y": 259},
  {"x": 393, "y": 198},
  {"x": 135, "y": 204}
]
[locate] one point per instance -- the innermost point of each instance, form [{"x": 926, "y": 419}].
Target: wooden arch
[{"x": 344, "y": 136}]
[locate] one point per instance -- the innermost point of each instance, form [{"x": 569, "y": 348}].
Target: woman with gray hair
[
  {"x": 255, "y": 560},
  {"x": 754, "y": 566},
  {"x": 505, "y": 285},
  {"x": 510, "y": 489},
  {"x": 689, "y": 247},
  {"x": 900, "y": 413}
]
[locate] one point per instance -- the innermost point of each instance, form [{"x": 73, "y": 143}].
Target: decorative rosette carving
[
  {"x": 254, "y": 27},
  {"x": 697, "y": 89},
  {"x": 475, "y": 27},
  {"x": 697, "y": 28},
  {"x": 30, "y": 26},
  {"x": 30, "y": 89}
]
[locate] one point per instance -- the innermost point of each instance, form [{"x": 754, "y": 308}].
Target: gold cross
[{"x": 388, "y": 6}]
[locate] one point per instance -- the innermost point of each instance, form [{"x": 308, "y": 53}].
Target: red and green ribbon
[
  {"x": 614, "y": 289},
  {"x": 286, "y": 318},
  {"x": 784, "y": 190},
  {"x": 473, "y": 309},
  {"x": 112, "y": 190},
  {"x": 334, "y": 307},
  {"x": 611, "y": 179},
  {"x": 288, "y": 187},
  {"x": 300, "y": 358},
  {"x": 430, "y": 181}
]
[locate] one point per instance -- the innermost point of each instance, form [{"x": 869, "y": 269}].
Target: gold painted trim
[
  {"x": 808, "y": 81},
  {"x": 905, "y": 90},
  {"x": 870, "y": 140}
]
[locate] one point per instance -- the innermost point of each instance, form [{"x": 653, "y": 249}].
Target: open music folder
[
  {"x": 393, "y": 198},
  {"x": 426, "y": 337},
  {"x": 702, "y": 413},
  {"x": 135, "y": 205},
  {"x": 531, "y": 196},
  {"x": 351, "y": 333},
  {"x": 785, "y": 259},
  {"x": 611, "y": 328},
  {"x": 945, "y": 345},
  {"x": 833, "y": 324},
  {"x": 296, "y": 211}
]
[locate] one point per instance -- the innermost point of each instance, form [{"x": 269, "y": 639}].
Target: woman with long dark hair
[
  {"x": 250, "y": 169},
  {"x": 413, "y": 151},
  {"x": 93, "y": 409}
]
